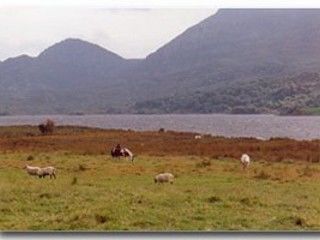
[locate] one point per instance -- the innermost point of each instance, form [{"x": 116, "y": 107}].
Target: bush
[
  {"x": 74, "y": 181},
  {"x": 262, "y": 175},
  {"x": 47, "y": 128},
  {"x": 101, "y": 218},
  {"x": 214, "y": 199},
  {"x": 161, "y": 130},
  {"x": 203, "y": 164},
  {"x": 82, "y": 167}
]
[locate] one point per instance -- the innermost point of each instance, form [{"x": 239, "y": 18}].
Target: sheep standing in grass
[
  {"x": 47, "y": 171},
  {"x": 41, "y": 172},
  {"x": 164, "y": 177},
  {"x": 245, "y": 160},
  {"x": 32, "y": 170},
  {"x": 197, "y": 137}
]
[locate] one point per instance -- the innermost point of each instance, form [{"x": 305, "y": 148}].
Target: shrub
[
  {"x": 214, "y": 199},
  {"x": 100, "y": 218},
  {"x": 308, "y": 171},
  {"x": 299, "y": 221},
  {"x": 294, "y": 220},
  {"x": 74, "y": 181},
  {"x": 46, "y": 128},
  {"x": 82, "y": 167},
  {"x": 45, "y": 195},
  {"x": 161, "y": 130},
  {"x": 262, "y": 175},
  {"x": 203, "y": 164},
  {"x": 245, "y": 201}
]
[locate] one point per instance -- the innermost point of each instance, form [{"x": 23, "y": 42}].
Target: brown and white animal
[
  {"x": 164, "y": 177},
  {"x": 125, "y": 152},
  {"x": 47, "y": 171},
  {"x": 122, "y": 152},
  {"x": 245, "y": 160},
  {"x": 116, "y": 151}
]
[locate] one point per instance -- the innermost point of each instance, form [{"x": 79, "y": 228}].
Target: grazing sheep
[
  {"x": 47, "y": 171},
  {"x": 245, "y": 160},
  {"x": 41, "y": 172},
  {"x": 164, "y": 177},
  {"x": 32, "y": 170},
  {"x": 197, "y": 137},
  {"x": 261, "y": 138}
]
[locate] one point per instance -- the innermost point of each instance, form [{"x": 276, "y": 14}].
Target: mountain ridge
[{"x": 231, "y": 49}]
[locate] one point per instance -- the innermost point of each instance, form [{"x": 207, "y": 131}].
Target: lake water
[{"x": 263, "y": 126}]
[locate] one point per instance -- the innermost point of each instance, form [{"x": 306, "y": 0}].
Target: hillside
[
  {"x": 296, "y": 95},
  {"x": 238, "y": 44},
  {"x": 201, "y": 70},
  {"x": 70, "y": 76},
  {"x": 255, "y": 51}
]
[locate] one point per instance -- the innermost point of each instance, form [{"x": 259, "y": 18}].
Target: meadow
[{"x": 94, "y": 192}]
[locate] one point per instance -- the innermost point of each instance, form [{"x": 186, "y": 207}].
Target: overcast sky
[{"x": 131, "y": 33}]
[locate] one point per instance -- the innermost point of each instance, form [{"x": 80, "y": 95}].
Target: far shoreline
[
  {"x": 260, "y": 126},
  {"x": 159, "y": 114},
  {"x": 68, "y": 127}
]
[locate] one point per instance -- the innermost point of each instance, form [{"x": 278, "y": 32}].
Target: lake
[{"x": 263, "y": 126}]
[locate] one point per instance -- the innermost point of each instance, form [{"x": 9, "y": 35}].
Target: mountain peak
[
  {"x": 75, "y": 47},
  {"x": 75, "y": 42},
  {"x": 19, "y": 59}
]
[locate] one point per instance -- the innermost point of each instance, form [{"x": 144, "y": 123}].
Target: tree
[{"x": 46, "y": 128}]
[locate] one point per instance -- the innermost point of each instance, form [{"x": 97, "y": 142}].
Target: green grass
[
  {"x": 313, "y": 111},
  {"x": 96, "y": 193}
]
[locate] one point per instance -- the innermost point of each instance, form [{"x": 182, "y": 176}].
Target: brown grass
[{"x": 88, "y": 141}]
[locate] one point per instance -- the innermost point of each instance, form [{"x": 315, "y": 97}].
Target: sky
[{"x": 130, "y": 33}]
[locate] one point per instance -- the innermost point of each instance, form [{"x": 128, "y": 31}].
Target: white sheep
[
  {"x": 164, "y": 177},
  {"x": 245, "y": 160},
  {"x": 47, "y": 171},
  {"x": 41, "y": 172},
  {"x": 197, "y": 137},
  {"x": 261, "y": 138},
  {"x": 32, "y": 170}
]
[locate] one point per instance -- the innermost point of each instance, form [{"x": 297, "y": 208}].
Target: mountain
[
  {"x": 86, "y": 63},
  {"x": 236, "y": 61},
  {"x": 239, "y": 44},
  {"x": 229, "y": 49},
  {"x": 70, "y": 76}
]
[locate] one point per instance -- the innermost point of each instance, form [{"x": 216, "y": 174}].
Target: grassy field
[{"x": 280, "y": 190}]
